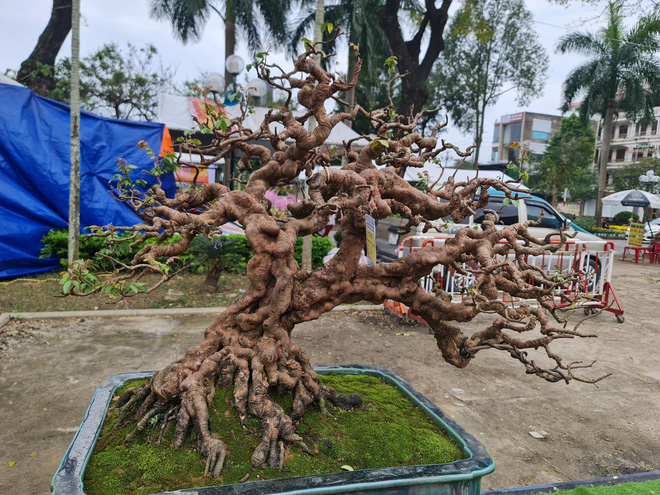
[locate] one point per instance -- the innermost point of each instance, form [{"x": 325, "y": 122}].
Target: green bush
[
  {"x": 232, "y": 251},
  {"x": 320, "y": 247},
  {"x": 585, "y": 222},
  {"x": 56, "y": 245},
  {"x": 623, "y": 218}
]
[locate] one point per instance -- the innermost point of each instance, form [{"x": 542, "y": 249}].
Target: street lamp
[
  {"x": 650, "y": 179},
  {"x": 214, "y": 83},
  {"x": 257, "y": 89},
  {"x": 234, "y": 65}
]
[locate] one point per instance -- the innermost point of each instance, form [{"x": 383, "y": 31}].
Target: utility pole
[
  {"x": 318, "y": 23},
  {"x": 74, "y": 180}
]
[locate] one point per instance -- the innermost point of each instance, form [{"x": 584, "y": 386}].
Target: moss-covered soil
[{"x": 391, "y": 431}]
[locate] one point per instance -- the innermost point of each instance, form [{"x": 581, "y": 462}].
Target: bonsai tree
[{"x": 250, "y": 345}]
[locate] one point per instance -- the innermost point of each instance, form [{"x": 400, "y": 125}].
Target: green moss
[
  {"x": 391, "y": 432},
  {"x": 645, "y": 488}
]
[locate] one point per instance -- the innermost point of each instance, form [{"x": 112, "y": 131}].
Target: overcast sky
[{"x": 122, "y": 21}]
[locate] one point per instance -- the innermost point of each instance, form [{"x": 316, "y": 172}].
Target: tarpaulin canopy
[
  {"x": 34, "y": 173},
  {"x": 177, "y": 113}
]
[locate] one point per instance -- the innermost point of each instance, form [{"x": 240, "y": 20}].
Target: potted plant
[
  {"x": 249, "y": 345},
  {"x": 461, "y": 476}
]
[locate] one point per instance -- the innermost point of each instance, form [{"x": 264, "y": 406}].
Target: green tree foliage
[
  {"x": 260, "y": 21},
  {"x": 567, "y": 162},
  {"x": 621, "y": 74},
  {"x": 491, "y": 44},
  {"x": 116, "y": 83},
  {"x": 628, "y": 176}
]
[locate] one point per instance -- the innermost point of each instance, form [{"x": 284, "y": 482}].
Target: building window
[
  {"x": 620, "y": 155},
  {"x": 512, "y": 133},
  {"x": 642, "y": 130},
  {"x": 654, "y": 127},
  {"x": 600, "y": 132},
  {"x": 541, "y": 136},
  {"x": 623, "y": 131},
  {"x": 496, "y": 134}
]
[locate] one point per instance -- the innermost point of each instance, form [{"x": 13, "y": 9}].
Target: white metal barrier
[{"x": 592, "y": 261}]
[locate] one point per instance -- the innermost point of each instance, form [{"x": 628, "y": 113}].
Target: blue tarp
[{"x": 34, "y": 173}]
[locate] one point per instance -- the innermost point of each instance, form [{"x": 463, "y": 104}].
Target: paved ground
[{"x": 50, "y": 368}]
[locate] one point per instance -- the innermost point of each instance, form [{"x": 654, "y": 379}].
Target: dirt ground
[{"x": 50, "y": 368}]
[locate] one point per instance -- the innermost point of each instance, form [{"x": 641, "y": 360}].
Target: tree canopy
[
  {"x": 566, "y": 162},
  {"x": 259, "y": 21},
  {"x": 115, "y": 83},
  {"x": 621, "y": 74},
  {"x": 490, "y": 44}
]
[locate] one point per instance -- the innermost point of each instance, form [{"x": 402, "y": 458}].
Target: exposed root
[{"x": 158, "y": 405}]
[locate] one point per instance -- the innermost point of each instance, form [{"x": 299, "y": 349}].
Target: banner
[{"x": 636, "y": 234}]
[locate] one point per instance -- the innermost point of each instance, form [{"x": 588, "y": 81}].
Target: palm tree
[
  {"x": 621, "y": 75},
  {"x": 188, "y": 18},
  {"x": 359, "y": 19}
]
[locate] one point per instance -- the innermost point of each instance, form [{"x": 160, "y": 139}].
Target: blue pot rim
[{"x": 68, "y": 478}]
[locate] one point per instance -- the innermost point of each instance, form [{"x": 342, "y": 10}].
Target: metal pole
[{"x": 74, "y": 180}]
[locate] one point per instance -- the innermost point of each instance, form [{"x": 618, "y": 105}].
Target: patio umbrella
[{"x": 633, "y": 197}]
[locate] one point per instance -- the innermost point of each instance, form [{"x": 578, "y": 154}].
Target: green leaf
[
  {"x": 346, "y": 467},
  {"x": 67, "y": 286},
  {"x": 327, "y": 26}
]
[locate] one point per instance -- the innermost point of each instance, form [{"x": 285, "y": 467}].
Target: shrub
[
  {"x": 623, "y": 217},
  {"x": 232, "y": 251},
  {"x": 56, "y": 245},
  {"x": 320, "y": 247},
  {"x": 585, "y": 222}
]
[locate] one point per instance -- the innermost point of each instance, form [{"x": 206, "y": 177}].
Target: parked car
[
  {"x": 529, "y": 208},
  {"x": 651, "y": 229}
]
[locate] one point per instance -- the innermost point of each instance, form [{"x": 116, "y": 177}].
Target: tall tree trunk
[
  {"x": 47, "y": 48},
  {"x": 230, "y": 37},
  {"x": 553, "y": 197},
  {"x": 414, "y": 93},
  {"x": 604, "y": 158},
  {"x": 74, "y": 178},
  {"x": 350, "y": 94}
]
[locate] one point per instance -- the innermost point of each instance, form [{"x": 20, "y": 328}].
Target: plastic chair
[{"x": 654, "y": 253}]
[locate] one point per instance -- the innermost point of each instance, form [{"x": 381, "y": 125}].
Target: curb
[
  {"x": 570, "y": 485},
  {"x": 118, "y": 313}
]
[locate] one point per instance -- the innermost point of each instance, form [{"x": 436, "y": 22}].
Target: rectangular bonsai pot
[{"x": 461, "y": 477}]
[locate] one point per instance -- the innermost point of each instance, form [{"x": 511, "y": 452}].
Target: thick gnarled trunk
[{"x": 249, "y": 346}]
